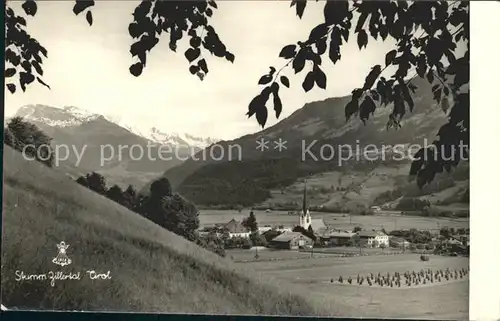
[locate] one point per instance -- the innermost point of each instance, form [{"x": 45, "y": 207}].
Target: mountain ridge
[{"x": 250, "y": 179}]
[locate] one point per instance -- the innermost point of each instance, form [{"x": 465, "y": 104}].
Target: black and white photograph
[{"x": 273, "y": 158}]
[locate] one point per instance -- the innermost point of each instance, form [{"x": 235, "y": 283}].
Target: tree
[
  {"x": 357, "y": 229},
  {"x": 30, "y": 140},
  {"x": 445, "y": 232},
  {"x": 382, "y": 246},
  {"x": 97, "y": 183},
  {"x": 115, "y": 194},
  {"x": 129, "y": 197},
  {"x": 257, "y": 239},
  {"x": 178, "y": 215},
  {"x": 212, "y": 243},
  {"x": 82, "y": 180},
  {"x": 160, "y": 188},
  {"x": 251, "y": 223},
  {"x": 426, "y": 35}
]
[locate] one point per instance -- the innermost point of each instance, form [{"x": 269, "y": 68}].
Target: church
[{"x": 305, "y": 219}]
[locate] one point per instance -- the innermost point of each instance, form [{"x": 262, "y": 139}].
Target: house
[
  {"x": 236, "y": 229},
  {"x": 337, "y": 238},
  {"x": 374, "y": 238},
  {"x": 290, "y": 241},
  {"x": 400, "y": 242}
]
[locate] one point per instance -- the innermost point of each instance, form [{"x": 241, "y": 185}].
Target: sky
[{"x": 88, "y": 67}]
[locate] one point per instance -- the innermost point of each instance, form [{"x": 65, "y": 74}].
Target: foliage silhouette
[{"x": 426, "y": 35}]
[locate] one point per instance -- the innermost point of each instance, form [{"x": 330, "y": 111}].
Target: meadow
[
  {"x": 447, "y": 300},
  {"x": 151, "y": 269},
  {"x": 388, "y": 221}
]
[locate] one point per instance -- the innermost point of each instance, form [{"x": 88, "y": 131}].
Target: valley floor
[
  {"x": 314, "y": 274},
  {"x": 388, "y": 221}
]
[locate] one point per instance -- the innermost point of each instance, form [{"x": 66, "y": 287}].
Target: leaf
[
  {"x": 308, "y": 81},
  {"x": 351, "y": 108},
  {"x": 89, "y": 18},
  {"x": 437, "y": 95},
  {"x": 136, "y": 69},
  {"x": 193, "y": 69},
  {"x": 300, "y": 7},
  {"x": 81, "y": 5},
  {"x": 407, "y": 97},
  {"x": 11, "y": 88},
  {"x": 288, "y": 51},
  {"x": 361, "y": 21},
  {"x": 42, "y": 82},
  {"x": 30, "y": 7},
  {"x": 25, "y": 79},
  {"x": 318, "y": 32},
  {"x": 191, "y": 54},
  {"x": 445, "y": 104},
  {"x": 229, "y": 57},
  {"x": 261, "y": 116},
  {"x": 203, "y": 65},
  {"x": 362, "y": 39},
  {"x": 372, "y": 77},
  {"x": 213, "y": 4},
  {"x": 366, "y": 108},
  {"x": 277, "y": 103},
  {"x": 389, "y": 57},
  {"x": 195, "y": 42},
  {"x": 265, "y": 79},
  {"x": 430, "y": 76},
  {"x": 9, "y": 72},
  {"x": 284, "y": 80},
  {"x": 319, "y": 77},
  {"x": 272, "y": 70},
  {"x": 209, "y": 12},
  {"x": 321, "y": 46},
  {"x": 299, "y": 62}
]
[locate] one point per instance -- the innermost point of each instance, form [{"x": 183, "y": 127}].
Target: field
[
  {"x": 339, "y": 221},
  {"x": 443, "y": 301}
]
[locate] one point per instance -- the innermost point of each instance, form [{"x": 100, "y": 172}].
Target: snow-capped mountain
[
  {"x": 156, "y": 135},
  {"x": 74, "y": 116},
  {"x": 56, "y": 117},
  {"x": 107, "y": 143}
]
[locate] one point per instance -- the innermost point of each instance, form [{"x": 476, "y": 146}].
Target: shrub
[
  {"x": 29, "y": 139},
  {"x": 96, "y": 182},
  {"x": 212, "y": 243}
]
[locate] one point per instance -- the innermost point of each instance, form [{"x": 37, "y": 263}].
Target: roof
[
  {"x": 370, "y": 233},
  {"x": 288, "y": 236},
  {"x": 234, "y": 226},
  {"x": 339, "y": 234},
  {"x": 317, "y": 224}
]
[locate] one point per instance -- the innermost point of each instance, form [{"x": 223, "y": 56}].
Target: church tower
[{"x": 305, "y": 216}]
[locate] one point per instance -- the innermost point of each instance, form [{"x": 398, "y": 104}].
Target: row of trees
[
  {"x": 165, "y": 208},
  {"x": 30, "y": 140}
]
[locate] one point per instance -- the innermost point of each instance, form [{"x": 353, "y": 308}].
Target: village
[{"x": 310, "y": 234}]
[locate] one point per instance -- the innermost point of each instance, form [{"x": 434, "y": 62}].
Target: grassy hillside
[{"x": 151, "y": 268}]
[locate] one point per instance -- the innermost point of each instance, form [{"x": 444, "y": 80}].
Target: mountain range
[
  {"x": 267, "y": 168},
  {"x": 100, "y": 138}
]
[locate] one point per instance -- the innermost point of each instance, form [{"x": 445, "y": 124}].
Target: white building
[
  {"x": 374, "y": 238},
  {"x": 305, "y": 219}
]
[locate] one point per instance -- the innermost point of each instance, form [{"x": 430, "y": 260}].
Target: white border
[{"x": 484, "y": 297}]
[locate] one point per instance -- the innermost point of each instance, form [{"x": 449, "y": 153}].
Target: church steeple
[{"x": 304, "y": 200}]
